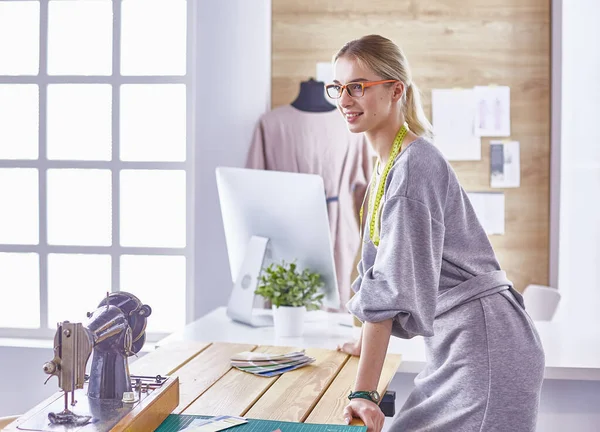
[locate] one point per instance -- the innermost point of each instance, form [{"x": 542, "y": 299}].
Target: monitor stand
[{"x": 241, "y": 303}]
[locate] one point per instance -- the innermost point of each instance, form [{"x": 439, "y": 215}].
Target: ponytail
[{"x": 414, "y": 114}]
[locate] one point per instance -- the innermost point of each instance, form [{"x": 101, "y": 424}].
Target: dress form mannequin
[{"x": 312, "y": 97}]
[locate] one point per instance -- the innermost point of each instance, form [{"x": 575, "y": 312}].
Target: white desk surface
[{"x": 570, "y": 355}]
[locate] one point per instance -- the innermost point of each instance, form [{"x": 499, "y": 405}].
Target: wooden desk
[
  {"x": 316, "y": 393},
  {"x": 208, "y": 385}
]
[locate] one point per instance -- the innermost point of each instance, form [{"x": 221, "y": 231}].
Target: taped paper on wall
[
  {"x": 453, "y": 116},
  {"x": 492, "y": 114},
  {"x": 505, "y": 164},
  {"x": 489, "y": 208}
]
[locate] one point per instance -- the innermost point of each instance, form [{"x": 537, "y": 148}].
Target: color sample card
[
  {"x": 268, "y": 365},
  {"x": 258, "y": 356}
]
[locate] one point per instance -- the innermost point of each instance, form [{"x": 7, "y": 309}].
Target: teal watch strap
[{"x": 373, "y": 396}]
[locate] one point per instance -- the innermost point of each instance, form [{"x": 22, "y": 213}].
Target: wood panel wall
[{"x": 449, "y": 43}]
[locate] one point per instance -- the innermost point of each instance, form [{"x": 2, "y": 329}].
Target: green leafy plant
[{"x": 285, "y": 285}]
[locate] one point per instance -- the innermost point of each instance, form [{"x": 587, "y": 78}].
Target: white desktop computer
[{"x": 272, "y": 216}]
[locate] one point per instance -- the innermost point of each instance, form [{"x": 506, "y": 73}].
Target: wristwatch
[{"x": 373, "y": 396}]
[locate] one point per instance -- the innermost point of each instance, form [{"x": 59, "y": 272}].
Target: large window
[
  {"x": 575, "y": 181},
  {"x": 96, "y": 163}
]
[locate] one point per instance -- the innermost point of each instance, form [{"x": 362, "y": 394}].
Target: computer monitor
[{"x": 270, "y": 216}]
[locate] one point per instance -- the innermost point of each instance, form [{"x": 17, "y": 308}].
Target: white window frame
[{"x": 42, "y": 164}]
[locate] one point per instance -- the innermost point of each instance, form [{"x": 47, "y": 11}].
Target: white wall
[
  {"x": 579, "y": 235},
  {"x": 234, "y": 47}
]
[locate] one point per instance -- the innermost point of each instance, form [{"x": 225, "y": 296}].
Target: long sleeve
[
  {"x": 403, "y": 282},
  {"x": 256, "y": 154}
]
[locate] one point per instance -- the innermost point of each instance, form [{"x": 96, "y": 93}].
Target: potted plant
[{"x": 291, "y": 292}]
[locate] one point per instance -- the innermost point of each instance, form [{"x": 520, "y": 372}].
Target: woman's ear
[{"x": 398, "y": 91}]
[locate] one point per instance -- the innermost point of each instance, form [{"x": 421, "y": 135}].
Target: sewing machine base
[{"x": 107, "y": 415}]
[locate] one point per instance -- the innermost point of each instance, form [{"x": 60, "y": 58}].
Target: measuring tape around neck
[{"x": 378, "y": 188}]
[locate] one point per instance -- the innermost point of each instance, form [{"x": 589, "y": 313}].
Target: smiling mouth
[{"x": 352, "y": 116}]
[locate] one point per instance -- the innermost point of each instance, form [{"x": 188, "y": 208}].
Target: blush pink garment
[{"x": 287, "y": 139}]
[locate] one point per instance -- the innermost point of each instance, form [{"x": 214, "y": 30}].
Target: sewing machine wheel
[
  {"x": 139, "y": 343},
  {"x": 136, "y": 312}
]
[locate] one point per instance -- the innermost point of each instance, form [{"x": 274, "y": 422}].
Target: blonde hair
[{"x": 386, "y": 59}]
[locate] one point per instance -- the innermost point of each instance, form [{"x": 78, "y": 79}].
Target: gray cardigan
[{"x": 433, "y": 253}]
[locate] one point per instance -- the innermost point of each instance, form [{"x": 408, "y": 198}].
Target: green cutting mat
[{"x": 175, "y": 423}]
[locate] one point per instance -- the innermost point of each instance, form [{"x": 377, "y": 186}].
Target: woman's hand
[
  {"x": 352, "y": 348},
  {"x": 369, "y": 412}
]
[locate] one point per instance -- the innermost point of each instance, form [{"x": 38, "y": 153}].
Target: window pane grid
[{"x": 42, "y": 164}]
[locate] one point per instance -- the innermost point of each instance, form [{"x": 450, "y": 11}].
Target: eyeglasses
[{"x": 354, "y": 89}]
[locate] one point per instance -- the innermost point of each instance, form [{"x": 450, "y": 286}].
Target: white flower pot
[{"x": 289, "y": 320}]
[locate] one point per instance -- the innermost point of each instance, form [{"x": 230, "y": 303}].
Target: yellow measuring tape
[{"x": 375, "y": 198}]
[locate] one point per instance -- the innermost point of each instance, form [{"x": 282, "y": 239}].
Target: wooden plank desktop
[
  {"x": 316, "y": 393},
  {"x": 208, "y": 385}
]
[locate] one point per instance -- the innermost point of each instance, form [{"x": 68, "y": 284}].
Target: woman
[{"x": 428, "y": 268}]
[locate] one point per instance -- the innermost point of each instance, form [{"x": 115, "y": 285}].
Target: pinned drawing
[{"x": 493, "y": 111}]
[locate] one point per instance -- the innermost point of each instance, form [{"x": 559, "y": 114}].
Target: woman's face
[{"x": 374, "y": 107}]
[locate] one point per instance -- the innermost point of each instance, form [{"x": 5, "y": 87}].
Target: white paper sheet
[
  {"x": 325, "y": 72},
  {"x": 492, "y": 114},
  {"x": 453, "y": 115},
  {"x": 505, "y": 164},
  {"x": 489, "y": 207}
]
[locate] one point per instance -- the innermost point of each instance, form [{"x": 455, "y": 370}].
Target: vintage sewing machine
[{"x": 102, "y": 399}]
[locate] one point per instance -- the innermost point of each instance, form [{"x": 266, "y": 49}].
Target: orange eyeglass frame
[{"x": 363, "y": 84}]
